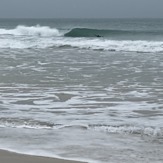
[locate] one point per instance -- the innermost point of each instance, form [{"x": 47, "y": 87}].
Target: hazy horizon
[{"x": 79, "y": 18}]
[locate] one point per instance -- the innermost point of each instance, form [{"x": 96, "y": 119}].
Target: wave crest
[
  {"x": 88, "y": 32},
  {"x": 111, "y": 129},
  {"x": 42, "y": 37},
  {"x": 31, "y": 31},
  {"x": 124, "y": 129},
  {"x": 25, "y": 123}
]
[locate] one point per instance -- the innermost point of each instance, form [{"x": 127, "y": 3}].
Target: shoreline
[{"x": 11, "y": 157}]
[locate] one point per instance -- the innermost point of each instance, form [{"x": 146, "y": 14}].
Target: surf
[
  {"x": 88, "y": 32},
  {"x": 44, "y": 37},
  {"x": 37, "y": 30}
]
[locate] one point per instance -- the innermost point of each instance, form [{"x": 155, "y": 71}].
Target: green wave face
[{"x": 86, "y": 32}]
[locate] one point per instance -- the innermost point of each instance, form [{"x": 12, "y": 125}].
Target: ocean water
[{"x": 82, "y": 89}]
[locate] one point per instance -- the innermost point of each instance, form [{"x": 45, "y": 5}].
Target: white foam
[
  {"x": 45, "y": 37},
  {"x": 137, "y": 94},
  {"x": 25, "y": 123},
  {"x": 149, "y": 131},
  {"x": 30, "y": 31},
  {"x": 109, "y": 45},
  {"x": 113, "y": 45}
]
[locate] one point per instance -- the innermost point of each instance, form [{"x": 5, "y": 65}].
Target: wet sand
[{"x": 9, "y": 157}]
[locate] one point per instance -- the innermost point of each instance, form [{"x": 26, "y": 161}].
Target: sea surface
[{"x": 82, "y": 89}]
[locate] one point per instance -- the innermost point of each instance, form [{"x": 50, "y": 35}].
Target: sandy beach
[{"x": 10, "y": 157}]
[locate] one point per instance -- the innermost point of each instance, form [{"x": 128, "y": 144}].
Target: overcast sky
[{"x": 81, "y": 8}]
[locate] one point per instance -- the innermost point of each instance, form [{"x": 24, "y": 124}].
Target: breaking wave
[
  {"x": 87, "y": 32},
  {"x": 31, "y": 31},
  {"x": 125, "y": 129},
  {"x": 74, "y": 32},
  {"x": 121, "y": 129},
  {"x": 26, "y": 123},
  {"x": 112, "y": 45},
  {"x": 42, "y": 37}
]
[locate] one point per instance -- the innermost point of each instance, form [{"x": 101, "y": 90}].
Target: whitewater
[
  {"x": 24, "y": 37},
  {"x": 78, "y": 89}
]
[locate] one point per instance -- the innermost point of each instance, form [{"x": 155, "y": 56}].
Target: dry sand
[{"x": 9, "y": 157}]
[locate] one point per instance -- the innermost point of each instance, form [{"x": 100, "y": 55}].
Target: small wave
[
  {"x": 113, "y": 45},
  {"x": 121, "y": 129},
  {"x": 27, "y": 123},
  {"x": 35, "y": 124},
  {"x": 31, "y": 31},
  {"x": 148, "y": 131},
  {"x": 83, "y": 43}
]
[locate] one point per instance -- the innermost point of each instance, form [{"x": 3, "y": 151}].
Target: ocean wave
[
  {"x": 88, "y": 32},
  {"x": 74, "y": 32},
  {"x": 113, "y": 45},
  {"x": 42, "y": 37},
  {"x": 31, "y": 31},
  {"x": 112, "y": 129},
  {"x": 35, "y": 124},
  {"x": 128, "y": 129},
  {"x": 26, "y": 123},
  {"x": 89, "y": 44}
]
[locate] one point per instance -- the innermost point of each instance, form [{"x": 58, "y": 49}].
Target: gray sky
[{"x": 81, "y": 8}]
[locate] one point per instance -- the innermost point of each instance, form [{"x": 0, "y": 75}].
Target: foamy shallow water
[
  {"x": 96, "y": 99},
  {"x": 82, "y": 104}
]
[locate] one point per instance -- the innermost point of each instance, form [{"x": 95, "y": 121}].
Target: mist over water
[{"x": 97, "y": 99}]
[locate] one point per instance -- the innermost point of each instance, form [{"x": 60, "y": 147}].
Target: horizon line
[{"x": 81, "y": 18}]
